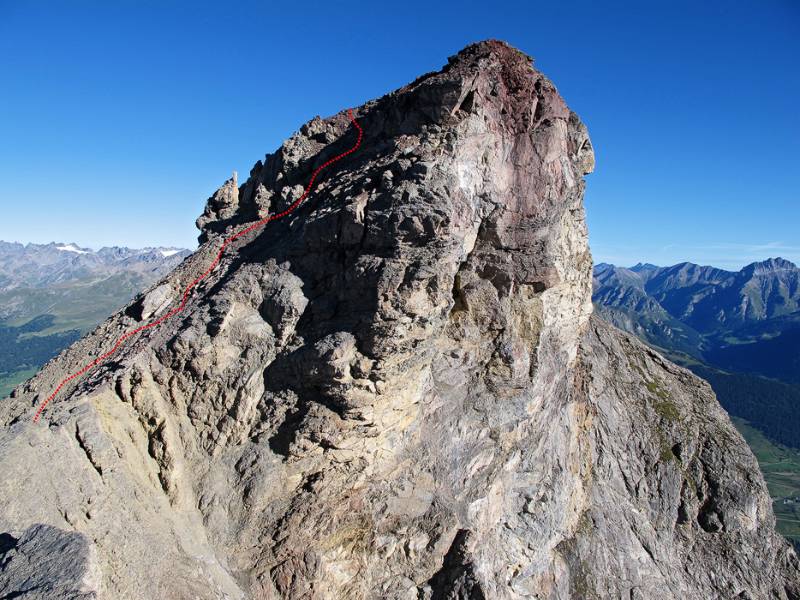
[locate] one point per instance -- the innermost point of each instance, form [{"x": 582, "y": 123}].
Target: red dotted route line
[{"x": 210, "y": 268}]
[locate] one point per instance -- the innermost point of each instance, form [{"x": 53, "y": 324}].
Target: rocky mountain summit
[{"x": 396, "y": 392}]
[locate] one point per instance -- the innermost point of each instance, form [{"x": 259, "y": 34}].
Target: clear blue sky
[{"x": 119, "y": 118}]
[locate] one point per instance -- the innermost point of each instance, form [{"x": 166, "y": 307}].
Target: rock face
[
  {"x": 48, "y": 563},
  {"x": 398, "y": 392}
]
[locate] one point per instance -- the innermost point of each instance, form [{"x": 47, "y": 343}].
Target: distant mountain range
[
  {"x": 740, "y": 331},
  {"x": 746, "y": 321},
  {"x": 50, "y": 294},
  {"x": 45, "y": 265}
]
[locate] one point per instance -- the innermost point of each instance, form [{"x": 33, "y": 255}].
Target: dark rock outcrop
[{"x": 46, "y": 562}]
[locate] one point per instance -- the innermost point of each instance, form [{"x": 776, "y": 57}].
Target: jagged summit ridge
[
  {"x": 501, "y": 77},
  {"x": 397, "y": 392},
  {"x": 771, "y": 265}
]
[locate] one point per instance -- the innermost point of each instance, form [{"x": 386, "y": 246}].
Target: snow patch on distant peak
[
  {"x": 166, "y": 253},
  {"x": 71, "y": 248}
]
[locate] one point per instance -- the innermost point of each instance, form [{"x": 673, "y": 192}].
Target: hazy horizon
[{"x": 732, "y": 267}]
